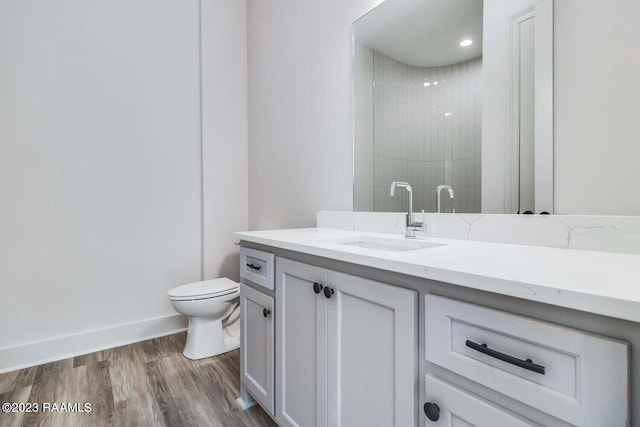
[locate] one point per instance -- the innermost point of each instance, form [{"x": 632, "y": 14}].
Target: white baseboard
[{"x": 37, "y": 353}]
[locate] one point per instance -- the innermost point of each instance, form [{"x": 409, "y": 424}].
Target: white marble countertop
[{"x": 596, "y": 282}]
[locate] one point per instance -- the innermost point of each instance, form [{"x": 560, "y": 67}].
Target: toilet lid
[{"x": 205, "y": 288}]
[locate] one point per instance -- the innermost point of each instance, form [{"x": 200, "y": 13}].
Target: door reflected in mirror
[{"x": 454, "y": 93}]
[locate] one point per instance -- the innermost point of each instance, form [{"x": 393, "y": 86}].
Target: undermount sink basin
[{"x": 383, "y": 244}]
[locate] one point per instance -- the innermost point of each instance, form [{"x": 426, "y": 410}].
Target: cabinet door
[
  {"x": 459, "y": 408},
  {"x": 301, "y": 345},
  {"x": 372, "y": 335},
  {"x": 257, "y": 345}
]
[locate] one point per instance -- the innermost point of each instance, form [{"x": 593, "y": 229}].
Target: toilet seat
[{"x": 204, "y": 290}]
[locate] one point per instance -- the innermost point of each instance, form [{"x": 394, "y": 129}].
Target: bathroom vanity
[{"x": 348, "y": 328}]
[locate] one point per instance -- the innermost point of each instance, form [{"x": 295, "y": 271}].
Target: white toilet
[{"x": 213, "y": 309}]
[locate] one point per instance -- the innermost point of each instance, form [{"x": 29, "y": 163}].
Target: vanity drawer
[
  {"x": 457, "y": 407},
  {"x": 257, "y": 267},
  {"x": 574, "y": 376}
]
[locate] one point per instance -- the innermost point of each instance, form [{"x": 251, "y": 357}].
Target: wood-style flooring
[{"x": 148, "y": 383}]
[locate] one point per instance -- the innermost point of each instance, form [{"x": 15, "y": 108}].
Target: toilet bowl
[{"x": 213, "y": 309}]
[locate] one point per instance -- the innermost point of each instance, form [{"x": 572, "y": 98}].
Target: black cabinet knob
[
  {"x": 266, "y": 312},
  {"x": 432, "y": 411},
  {"x": 328, "y": 292},
  {"x": 317, "y": 287}
]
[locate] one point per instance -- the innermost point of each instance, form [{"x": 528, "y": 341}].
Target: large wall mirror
[{"x": 456, "y": 97}]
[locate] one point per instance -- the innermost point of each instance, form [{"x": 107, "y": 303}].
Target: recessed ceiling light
[
  {"x": 447, "y": 114},
  {"x": 435, "y": 83},
  {"x": 427, "y": 84},
  {"x": 466, "y": 42}
]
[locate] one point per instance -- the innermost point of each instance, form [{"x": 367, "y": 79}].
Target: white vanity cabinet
[
  {"x": 346, "y": 349},
  {"x": 257, "y": 364},
  {"x": 355, "y": 351},
  {"x": 257, "y": 325}
]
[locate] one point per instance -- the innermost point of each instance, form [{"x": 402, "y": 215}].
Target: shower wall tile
[{"x": 427, "y": 131}]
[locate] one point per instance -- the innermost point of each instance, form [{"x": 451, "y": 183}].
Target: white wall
[
  {"x": 224, "y": 126},
  {"x": 101, "y": 166},
  {"x": 300, "y": 115},
  {"x": 597, "y": 99}
]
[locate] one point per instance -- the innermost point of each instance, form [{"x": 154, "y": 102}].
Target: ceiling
[{"x": 424, "y": 33}]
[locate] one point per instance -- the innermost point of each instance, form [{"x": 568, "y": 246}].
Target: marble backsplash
[{"x": 598, "y": 233}]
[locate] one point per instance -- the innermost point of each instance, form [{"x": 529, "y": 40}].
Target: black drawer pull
[
  {"x": 526, "y": 364},
  {"x": 254, "y": 267},
  {"x": 266, "y": 312}
]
